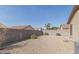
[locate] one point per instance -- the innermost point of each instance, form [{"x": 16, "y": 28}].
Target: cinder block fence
[{"x": 10, "y": 35}]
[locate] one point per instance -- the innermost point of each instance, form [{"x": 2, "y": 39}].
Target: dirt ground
[{"x": 42, "y": 45}]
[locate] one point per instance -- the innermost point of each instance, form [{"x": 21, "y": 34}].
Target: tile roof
[
  {"x": 2, "y": 25},
  {"x": 29, "y": 27}
]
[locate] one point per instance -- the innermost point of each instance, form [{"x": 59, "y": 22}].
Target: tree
[
  {"x": 48, "y": 26},
  {"x": 54, "y": 28}
]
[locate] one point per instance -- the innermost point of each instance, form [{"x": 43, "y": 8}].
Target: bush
[
  {"x": 33, "y": 36},
  {"x": 54, "y": 28},
  {"x": 46, "y": 34},
  {"x": 58, "y": 34},
  {"x": 1, "y": 42}
]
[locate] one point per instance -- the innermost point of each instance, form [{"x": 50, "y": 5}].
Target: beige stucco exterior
[
  {"x": 64, "y": 26},
  {"x": 75, "y": 26}
]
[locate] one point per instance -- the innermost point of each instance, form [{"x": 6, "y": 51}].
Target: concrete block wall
[
  {"x": 53, "y": 32},
  {"x": 9, "y": 35}
]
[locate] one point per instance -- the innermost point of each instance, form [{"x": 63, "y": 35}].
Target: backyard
[{"x": 44, "y": 44}]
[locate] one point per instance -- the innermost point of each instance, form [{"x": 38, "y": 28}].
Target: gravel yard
[{"x": 42, "y": 45}]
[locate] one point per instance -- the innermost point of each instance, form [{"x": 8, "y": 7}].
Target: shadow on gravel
[
  {"x": 76, "y": 48},
  {"x": 9, "y": 45}
]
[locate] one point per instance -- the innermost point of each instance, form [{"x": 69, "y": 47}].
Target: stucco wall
[
  {"x": 75, "y": 27},
  {"x": 9, "y": 35},
  {"x": 62, "y": 32}
]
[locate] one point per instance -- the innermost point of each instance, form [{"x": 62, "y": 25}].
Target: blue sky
[{"x": 35, "y": 15}]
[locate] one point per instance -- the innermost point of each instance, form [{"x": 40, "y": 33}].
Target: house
[
  {"x": 74, "y": 21},
  {"x": 64, "y": 26},
  {"x": 2, "y": 25},
  {"x": 29, "y": 27}
]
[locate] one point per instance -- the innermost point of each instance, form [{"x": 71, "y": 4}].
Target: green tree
[
  {"x": 54, "y": 28},
  {"x": 48, "y": 26}
]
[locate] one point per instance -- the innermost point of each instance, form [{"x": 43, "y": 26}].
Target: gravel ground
[{"x": 42, "y": 45}]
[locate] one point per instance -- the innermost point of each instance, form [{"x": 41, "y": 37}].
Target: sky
[{"x": 34, "y": 15}]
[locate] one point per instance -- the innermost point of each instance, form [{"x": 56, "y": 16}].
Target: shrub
[
  {"x": 58, "y": 34},
  {"x": 2, "y": 46},
  {"x": 54, "y": 28},
  {"x": 33, "y": 36},
  {"x": 46, "y": 34},
  {"x": 1, "y": 42}
]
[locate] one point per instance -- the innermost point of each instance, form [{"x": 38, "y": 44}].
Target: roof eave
[{"x": 74, "y": 10}]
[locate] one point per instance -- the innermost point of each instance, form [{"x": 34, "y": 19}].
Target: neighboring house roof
[
  {"x": 65, "y": 26},
  {"x": 74, "y": 10},
  {"x": 29, "y": 27},
  {"x": 2, "y": 25}
]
